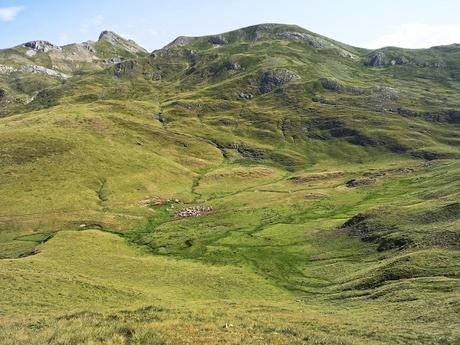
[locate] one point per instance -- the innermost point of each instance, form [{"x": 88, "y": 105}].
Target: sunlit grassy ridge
[{"x": 332, "y": 181}]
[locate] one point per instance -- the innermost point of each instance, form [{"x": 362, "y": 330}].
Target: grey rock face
[
  {"x": 380, "y": 59},
  {"x": 88, "y": 47},
  {"x": 271, "y": 79},
  {"x": 401, "y": 60},
  {"x": 315, "y": 42},
  {"x": 41, "y": 46},
  {"x": 31, "y": 52},
  {"x": 123, "y": 68},
  {"x": 377, "y": 60},
  {"x": 7, "y": 69},
  {"x": 218, "y": 40},
  {"x": 113, "y": 60},
  {"x": 180, "y": 41},
  {"x": 255, "y": 37},
  {"x": 43, "y": 70},
  {"x": 32, "y": 69}
]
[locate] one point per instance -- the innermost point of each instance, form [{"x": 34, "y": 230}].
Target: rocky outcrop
[
  {"x": 41, "y": 46},
  {"x": 33, "y": 69},
  {"x": 274, "y": 78},
  {"x": 332, "y": 85},
  {"x": 362, "y": 181},
  {"x": 180, "y": 41},
  {"x": 123, "y": 68},
  {"x": 340, "y": 87},
  {"x": 313, "y": 41},
  {"x": 88, "y": 46},
  {"x": 120, "y": 42},
  {"x": 245, "y": 96},
  {"x": 160, "y": 118},
  {"x": 377, "y": 60},
  {"x": 218, "y": 40},
  {"x": 385, "y": 93},
  {"x": 7, "y": 69},
  {"x": 382, "y": 59},
  {"x": 43, "y": 70},
  {"x": 448, "y": 116},
  {"x": 113, "y": 61},
  {"x": 2, "y": 94},
  {"x": 232, "y": 66}
]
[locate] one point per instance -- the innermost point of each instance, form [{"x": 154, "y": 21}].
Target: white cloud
[
  {"x": 7, "y": 14},
  {"x": 417, "y": 35},
  {"x": 95, "y": 22},
  {"x": 84, "y": 27},
  {"x": 98, "y": 19},
  {"x": 153, "y": 32}
]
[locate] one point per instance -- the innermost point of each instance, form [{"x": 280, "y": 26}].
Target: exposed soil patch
[
  {"x": 396, "y": 171},
  {"x": 316, "y": 176},
  {"x": 84, "y": 226},
  {"x": 250, "y": 173},
  {"x": 362, "y": 181}
]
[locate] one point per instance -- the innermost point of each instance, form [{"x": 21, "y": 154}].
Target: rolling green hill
[{"x": 262, "y": 186}]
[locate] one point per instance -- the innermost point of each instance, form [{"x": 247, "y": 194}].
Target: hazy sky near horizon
[{"x": 408, "y": 23}]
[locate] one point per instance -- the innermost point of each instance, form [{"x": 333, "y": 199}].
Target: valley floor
[{"x": 274, "y": 262}]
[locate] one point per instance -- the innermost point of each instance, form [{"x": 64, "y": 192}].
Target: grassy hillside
[{"x": 321, "y": 180}]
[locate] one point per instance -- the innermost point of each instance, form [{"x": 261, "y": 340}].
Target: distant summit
[{"x": 121, "y": 42}]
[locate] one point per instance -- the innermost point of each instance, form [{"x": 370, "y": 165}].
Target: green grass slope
[{"x": 322, "y": 179}]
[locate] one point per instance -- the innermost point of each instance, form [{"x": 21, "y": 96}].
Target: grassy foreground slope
[{"x": 330, "y": 172}]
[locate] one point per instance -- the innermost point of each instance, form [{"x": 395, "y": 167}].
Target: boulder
[
  {"x": 245, "y": 96},
  {"x": 331, "y": 84},
  {"x": 160, "y": 118}
]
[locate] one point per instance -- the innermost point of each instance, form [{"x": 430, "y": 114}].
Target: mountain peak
[
  {"x": 109, "y": 35},
  {"x": 41, "y": 46},
  {"x": 121, "y": 42}
]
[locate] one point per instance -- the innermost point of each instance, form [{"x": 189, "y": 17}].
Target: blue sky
[{"x": 408, "y": 23}]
